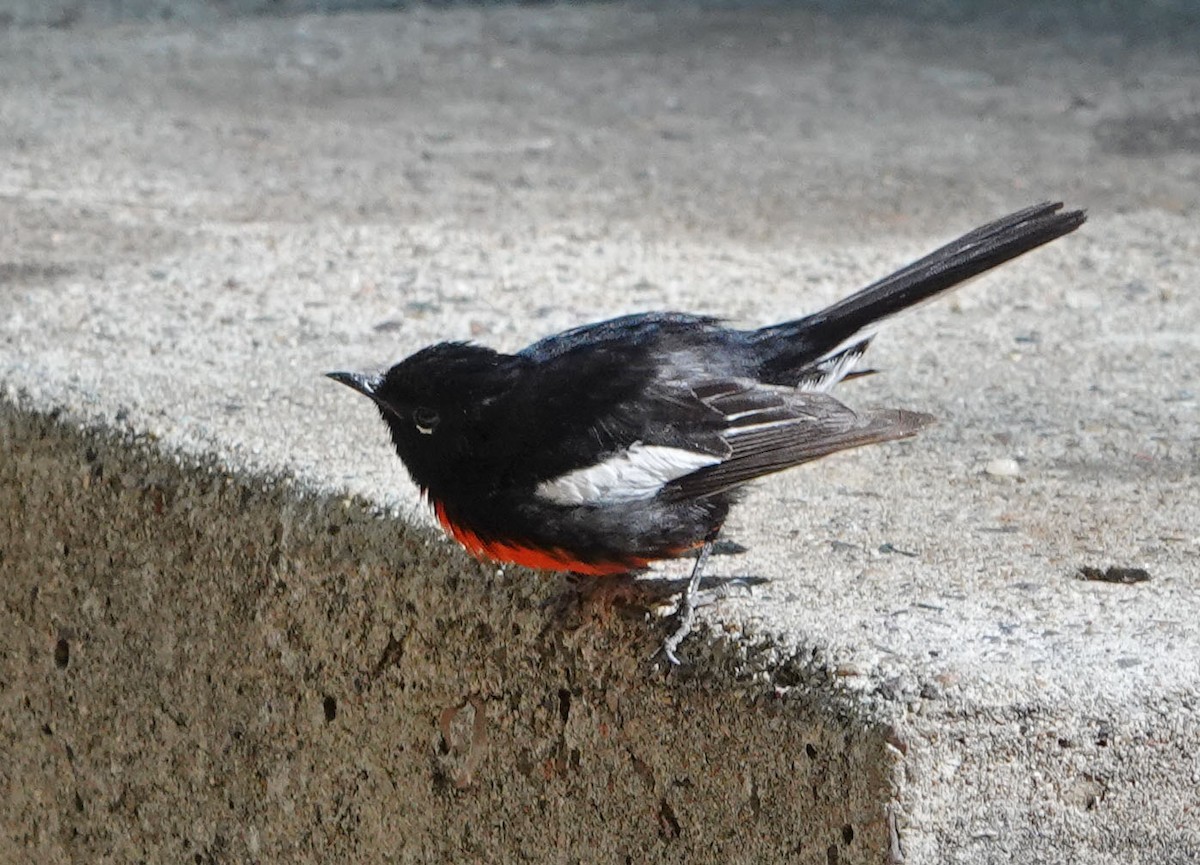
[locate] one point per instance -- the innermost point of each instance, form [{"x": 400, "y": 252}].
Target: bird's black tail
[{"x": 796, "y": 349}]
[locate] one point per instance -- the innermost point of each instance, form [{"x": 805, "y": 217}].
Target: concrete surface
[{"x": 230, "y": 632}]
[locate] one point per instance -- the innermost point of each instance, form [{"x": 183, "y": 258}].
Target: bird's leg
[{"x": 689, "y": 602}]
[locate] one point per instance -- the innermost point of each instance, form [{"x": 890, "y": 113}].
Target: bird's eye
[{"x": 425, "y": 419}]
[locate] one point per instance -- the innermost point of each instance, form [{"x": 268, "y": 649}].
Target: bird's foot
[{"x": 692, "y": 599}]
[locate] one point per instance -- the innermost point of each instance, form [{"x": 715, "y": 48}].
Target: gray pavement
[{"x": 199, "y": 220}]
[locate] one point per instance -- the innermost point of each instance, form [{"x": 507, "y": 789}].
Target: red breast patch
[{"x": 530, "y": 556}]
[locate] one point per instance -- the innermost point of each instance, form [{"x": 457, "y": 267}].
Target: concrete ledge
[{"x": 197, "y": 666}]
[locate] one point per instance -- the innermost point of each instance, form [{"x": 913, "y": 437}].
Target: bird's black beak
[{"x": 364, "y": 384}]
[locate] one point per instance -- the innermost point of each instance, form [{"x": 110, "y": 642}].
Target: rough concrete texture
[
  {"x": 211, "y": 669},
  {"x": 231, "y": 633}
]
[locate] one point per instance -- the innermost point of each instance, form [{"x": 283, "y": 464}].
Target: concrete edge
[{"x": 231, "y": 667}]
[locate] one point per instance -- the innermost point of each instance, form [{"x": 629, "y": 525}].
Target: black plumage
[{"x": 610, "y": 445}]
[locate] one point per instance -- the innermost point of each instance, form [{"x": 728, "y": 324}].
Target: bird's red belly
[{"x": 547, "y": 559}]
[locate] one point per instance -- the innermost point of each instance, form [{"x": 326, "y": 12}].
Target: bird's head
[{"x": 430, "y": 401}]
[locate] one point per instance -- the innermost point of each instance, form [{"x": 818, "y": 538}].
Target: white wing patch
[{"x": 634, "y": 474}]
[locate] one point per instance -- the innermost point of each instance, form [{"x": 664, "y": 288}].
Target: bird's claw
[{"x": 690, "y": 601}]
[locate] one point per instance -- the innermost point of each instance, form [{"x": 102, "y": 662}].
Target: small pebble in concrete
[{"x": 1002, "y": 467}]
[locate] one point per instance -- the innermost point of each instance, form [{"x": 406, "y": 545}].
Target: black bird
[{"x": 606, "y": 447}]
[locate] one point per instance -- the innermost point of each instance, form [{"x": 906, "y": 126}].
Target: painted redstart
[{"x": 606, "y": 447}]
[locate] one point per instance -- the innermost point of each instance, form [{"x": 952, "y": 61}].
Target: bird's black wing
[
  {"x": 769, "y": 429},
  {"x": 664, "y": 407}
]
